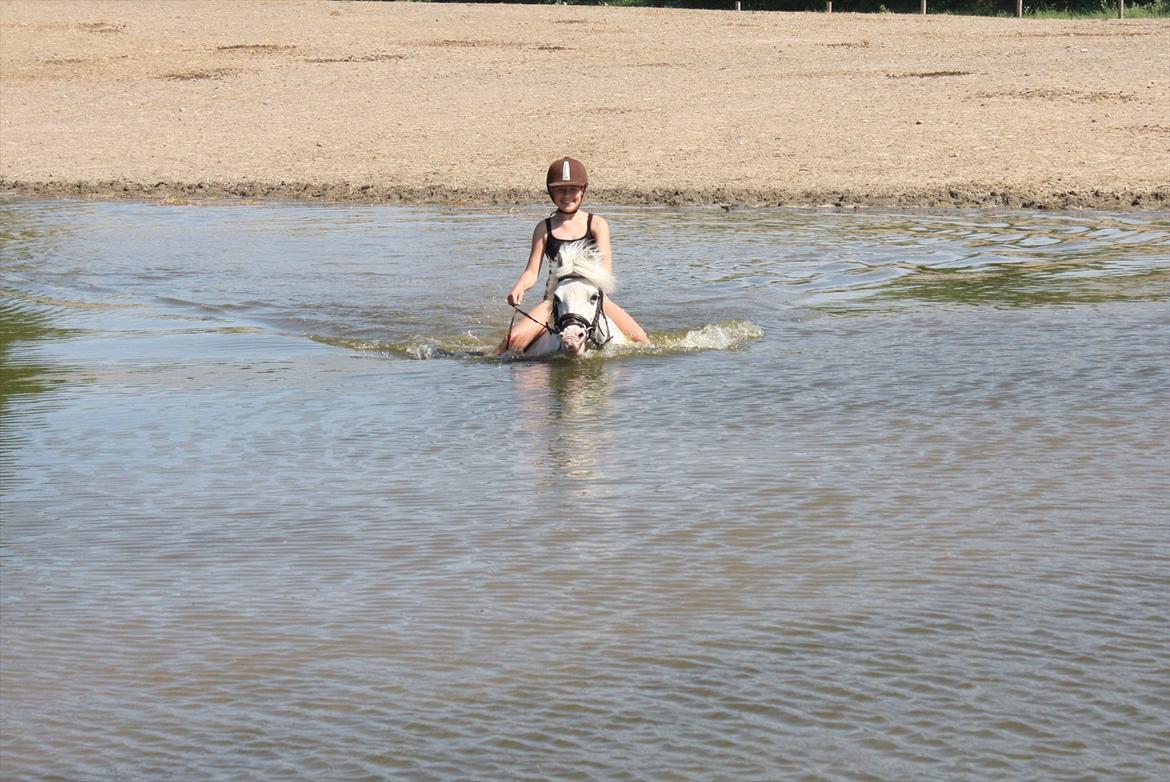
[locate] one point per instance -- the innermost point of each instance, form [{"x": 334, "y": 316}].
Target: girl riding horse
[{"x": 566, "y": 183}]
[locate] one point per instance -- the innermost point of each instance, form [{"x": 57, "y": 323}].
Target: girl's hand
[{"x": 516, "y": 296}]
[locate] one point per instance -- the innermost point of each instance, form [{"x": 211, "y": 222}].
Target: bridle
[{"x": 597, "y": 330}]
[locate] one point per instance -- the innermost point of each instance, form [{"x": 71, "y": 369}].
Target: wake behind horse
[{"x": 577, "y": 286}]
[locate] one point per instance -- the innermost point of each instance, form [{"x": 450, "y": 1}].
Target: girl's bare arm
[
  {"x": 532, "y": 270},
  {"x": 601, "y": 239}
]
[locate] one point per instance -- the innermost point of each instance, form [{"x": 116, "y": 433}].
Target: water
[{"x": 889, "y": 499}]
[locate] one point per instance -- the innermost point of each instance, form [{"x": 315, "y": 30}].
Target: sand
[{"x": 467, "y": 104}]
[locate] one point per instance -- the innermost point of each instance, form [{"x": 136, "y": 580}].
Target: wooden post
[
  {"x": 924, "y": 6},
  {"x": 828, "y": 6},
  {"x": 1020, "y": 8},
  {"x": 737, "y": 6},
  {"x": 1120, "y": 9}
]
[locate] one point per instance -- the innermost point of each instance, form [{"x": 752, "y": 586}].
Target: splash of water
[
  {"x": 728, "y": 335},
  {"x": 731, "y": 335}
]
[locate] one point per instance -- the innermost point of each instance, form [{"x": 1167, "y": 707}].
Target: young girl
[{"x": 566, "y": 183}]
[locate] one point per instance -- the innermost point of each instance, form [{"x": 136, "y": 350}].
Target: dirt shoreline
[
  {"x": 465, "y": 104},
  {"x": 179, "y": 192}
]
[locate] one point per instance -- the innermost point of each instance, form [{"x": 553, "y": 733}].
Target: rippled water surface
[{"x": 889, "y": 499}]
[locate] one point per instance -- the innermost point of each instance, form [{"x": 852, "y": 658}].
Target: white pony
[{"x": 577, "y": 284}]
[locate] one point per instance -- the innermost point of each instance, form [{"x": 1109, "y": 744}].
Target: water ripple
[{"x": 887, "y": 500}]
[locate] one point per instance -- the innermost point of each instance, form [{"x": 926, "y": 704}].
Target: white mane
[{"x": 581, "y": 258}]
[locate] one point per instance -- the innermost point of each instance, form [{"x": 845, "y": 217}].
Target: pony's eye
[{"x": 593, "y": 299}]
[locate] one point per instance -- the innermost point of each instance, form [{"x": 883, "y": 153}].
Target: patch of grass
[
  {"x": 1035, "y": 9},
  {"x": 1105, "y": 9}
]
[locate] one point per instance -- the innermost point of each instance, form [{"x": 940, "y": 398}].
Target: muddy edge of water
[{"x": 974, "y": 196}]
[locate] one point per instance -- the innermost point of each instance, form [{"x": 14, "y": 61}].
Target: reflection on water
[
  {"x": 1023, "y": 286},
  {"x": 19, "y": 325},
  {"x": 886, "y": 500},
  {"x": 565, "y": 402},
  {"x": 23, "y": 373}
]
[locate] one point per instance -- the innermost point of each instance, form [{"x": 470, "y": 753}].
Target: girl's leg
[
  {"x": 627, "y": 324},
  {"x": 525, "y": 331}
]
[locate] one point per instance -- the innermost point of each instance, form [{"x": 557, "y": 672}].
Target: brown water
[{"x": 889, "y": 500}]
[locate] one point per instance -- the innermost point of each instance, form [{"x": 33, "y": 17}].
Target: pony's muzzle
[
  {"x": 573, "y": 340},
  {"x": 574, "y": 333}
]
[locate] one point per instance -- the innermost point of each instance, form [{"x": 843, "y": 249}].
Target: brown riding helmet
[{"x": 567, "y": 172}]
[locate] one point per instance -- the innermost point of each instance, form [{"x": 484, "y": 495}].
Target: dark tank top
[{"x": 552, "y": 245}]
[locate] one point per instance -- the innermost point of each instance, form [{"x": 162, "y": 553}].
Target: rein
[{"x": 516, "y": 309}]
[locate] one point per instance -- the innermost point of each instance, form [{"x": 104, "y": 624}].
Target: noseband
[{"x": 597, "y": 330}]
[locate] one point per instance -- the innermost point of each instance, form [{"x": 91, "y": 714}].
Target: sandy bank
[{"x": 468, "y": 103}]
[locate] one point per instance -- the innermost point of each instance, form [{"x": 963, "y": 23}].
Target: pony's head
[{"x": 578, "y": 285}]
